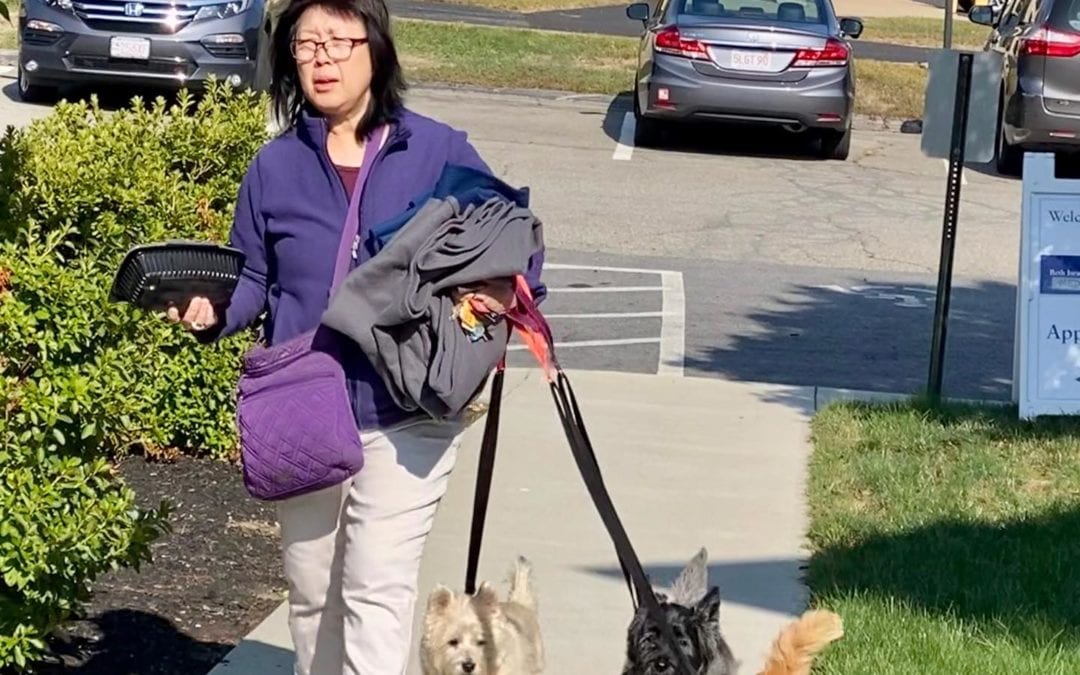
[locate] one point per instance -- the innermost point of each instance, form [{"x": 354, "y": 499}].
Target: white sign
[
  {"x": 940, "y": 102},
  {"x": 1047, "y": 349}
]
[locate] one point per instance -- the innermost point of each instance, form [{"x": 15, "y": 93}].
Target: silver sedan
[{"x": 782, "y": 63}]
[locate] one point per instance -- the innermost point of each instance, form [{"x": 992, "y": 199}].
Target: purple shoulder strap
[{"x": 352, "y": 220}]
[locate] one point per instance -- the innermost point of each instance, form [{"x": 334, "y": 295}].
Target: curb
[
  {"x": 10, "y": 57},
  {"x": 861, "y": 122},
  {"x": 825, "y": 396}
]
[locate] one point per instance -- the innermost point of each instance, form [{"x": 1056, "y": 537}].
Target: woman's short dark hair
[{"x": 387, "y": 82}]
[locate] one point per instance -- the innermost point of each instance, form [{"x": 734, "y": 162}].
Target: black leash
[
  {"x": 484, "y": 473},
  {"x": 574, "y": 427}
]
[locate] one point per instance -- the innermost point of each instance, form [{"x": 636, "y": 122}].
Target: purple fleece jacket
[{"x": 289, "y": 216}]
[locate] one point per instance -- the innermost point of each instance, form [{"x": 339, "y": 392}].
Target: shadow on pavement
[
  {"x": 872, "y": 336},
  {"x": 716, "y": 138},
  {"x": 750, "y": 583},
  {"x": 109, "y": 98},
  {"x": 1066, "y": 165}
]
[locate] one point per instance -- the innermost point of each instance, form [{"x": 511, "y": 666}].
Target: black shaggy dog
[{"x": 692, "y": 609}]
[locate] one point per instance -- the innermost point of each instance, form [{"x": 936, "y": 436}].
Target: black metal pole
[
  {"x": 948, "y": 227},
  {"x": 950, "y": 10}
]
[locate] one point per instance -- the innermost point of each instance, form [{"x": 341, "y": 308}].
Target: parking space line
[
  {"x": 673, "y": 327},
  {"x": 606, "y": 289},
  {"x": 672, "y": 340},
  {"x": 624, "y": 147},
  {"x": 609, "y": 315},
  {"x": 596, "y": 343},
  {"x": 597, "y": 268}
]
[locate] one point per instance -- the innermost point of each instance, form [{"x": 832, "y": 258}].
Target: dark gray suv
[
  {"x": 161, "y": 43},
  {"x": 1039, "y": 107}
]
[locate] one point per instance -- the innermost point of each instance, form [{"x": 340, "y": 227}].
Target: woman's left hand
[{"x": 496, "y": 294}]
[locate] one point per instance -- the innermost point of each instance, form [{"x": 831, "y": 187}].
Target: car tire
[
  {"x": 1008, "y": 158},
  {"x": 648, "y": 133},
  {"x": 30, "y": 92},
  {"x": 835, "y": 144}
]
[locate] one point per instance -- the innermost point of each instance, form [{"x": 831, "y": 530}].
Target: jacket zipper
[{"x": 396, "y": 133}]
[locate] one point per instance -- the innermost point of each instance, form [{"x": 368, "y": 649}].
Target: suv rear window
[
  {"x": 1067, "y": 14},
  {"x": 769, "y": 11}
]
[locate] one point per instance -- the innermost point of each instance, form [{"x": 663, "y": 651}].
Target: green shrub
[{"x": 86, "y": 380}]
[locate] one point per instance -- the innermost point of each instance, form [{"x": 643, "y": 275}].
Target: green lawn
[
  {"x": 922, "y": 32},
  {"x": 520, "y": 58},
  {"x": 948, "y": 540},
  {"x": 8, "y": 34},
  {"x": 536, "y": 5}
]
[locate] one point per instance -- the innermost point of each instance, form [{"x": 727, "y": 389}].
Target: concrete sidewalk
[{"x": 688, "y": 462}]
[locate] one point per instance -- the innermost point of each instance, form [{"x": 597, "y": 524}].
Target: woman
[{"x": 351, "y": 553}]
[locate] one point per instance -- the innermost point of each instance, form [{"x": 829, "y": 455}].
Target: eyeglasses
[{"x": 338, "y": 49}]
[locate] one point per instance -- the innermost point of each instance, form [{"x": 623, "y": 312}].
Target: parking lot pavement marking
[
  {"x": 599, "y": 268},
  {"x": 605, "y": 289},
  {"x": 624, "y": 147},
  {"x": 672, "y": 314},
  {"x": 673, "y": 326},
  {"x": 597, "y": 343},
  {"x": 963, "y": 172},
  {"x": 609, "y": 315}
]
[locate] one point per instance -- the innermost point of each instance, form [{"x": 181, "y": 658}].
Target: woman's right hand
[{"x": 198, "y": 316}]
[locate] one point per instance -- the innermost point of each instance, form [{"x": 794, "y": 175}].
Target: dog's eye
[
  {"x": 454, "y": 642},
  {"x": 481, "y": 643}
]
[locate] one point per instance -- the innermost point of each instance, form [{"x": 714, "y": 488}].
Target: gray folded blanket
[{"x": 397, "y": 305}]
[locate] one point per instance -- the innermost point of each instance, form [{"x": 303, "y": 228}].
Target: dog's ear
[
  {"x": 692, "y": 581},
  {"x": 487, "y": 599},
  {"x": 708, "y": 608},
  {"x": 440, "y": 599}
]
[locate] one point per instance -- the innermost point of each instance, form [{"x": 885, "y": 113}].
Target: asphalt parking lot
[{"x": 792, "y": 270}]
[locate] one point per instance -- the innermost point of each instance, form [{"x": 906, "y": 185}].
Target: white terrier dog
[{"x": 482, "y": 635}]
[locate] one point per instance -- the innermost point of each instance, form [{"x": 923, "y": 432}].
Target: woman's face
[{"x": 335, "y": 75}]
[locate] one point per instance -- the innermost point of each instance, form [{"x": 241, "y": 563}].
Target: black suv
[{"x": 164, "y": 43}]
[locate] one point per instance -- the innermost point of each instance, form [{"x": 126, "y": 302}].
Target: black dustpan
[{"x": 155, "y": 276}]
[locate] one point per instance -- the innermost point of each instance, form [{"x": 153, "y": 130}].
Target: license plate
[
  {"x": 129, "y": 48},
  {"x": 751, "y": 60}
]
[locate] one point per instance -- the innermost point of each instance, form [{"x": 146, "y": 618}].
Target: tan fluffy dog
[
  {"x": 801, "y": 641},
  {"x": 481, "y": 634}
]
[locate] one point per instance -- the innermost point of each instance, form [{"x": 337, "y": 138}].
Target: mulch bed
[{"x": 214, "y": 578}]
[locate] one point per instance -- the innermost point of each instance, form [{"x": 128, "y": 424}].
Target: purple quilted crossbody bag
[{"x": 297, "y": 430}]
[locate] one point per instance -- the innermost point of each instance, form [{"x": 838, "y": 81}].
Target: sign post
[
  {"x": 1047, "y": 349},
  {"x": 949, "y": 222},
  {"x": 959, "y": 124},
  {"x": 950, "y": 12}
]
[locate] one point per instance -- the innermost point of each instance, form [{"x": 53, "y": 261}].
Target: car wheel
[
  {"x": 648, "y": 133},
  {"x": 1008, "y": 158},
  {"x": 835, "y": 144},
  {"x": 33, "y": 93}
]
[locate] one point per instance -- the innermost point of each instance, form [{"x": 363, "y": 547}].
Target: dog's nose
[{"x": 468, "y": 666}]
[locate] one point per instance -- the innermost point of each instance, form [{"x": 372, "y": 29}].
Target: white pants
[{"x": 352, "y": 552}]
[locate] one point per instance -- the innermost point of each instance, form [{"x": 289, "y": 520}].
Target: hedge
[{"x": 84, "y": 381}]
